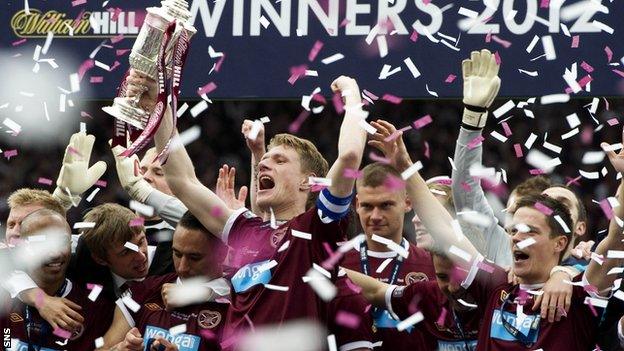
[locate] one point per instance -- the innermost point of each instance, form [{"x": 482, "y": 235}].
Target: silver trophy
[{"x": 144, "y": 55}]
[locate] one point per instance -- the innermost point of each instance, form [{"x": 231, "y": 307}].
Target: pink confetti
[
  {"x": 45, "y": 181},
  {"x": 561, "y": 311},
  {"x": 73, "y": 151},
  {"x": 613, "y": 121},
  {"x": 101, "y": 183},
  {"x": 344, "y": 22},
  {"x": 392, "y": 99},
  {"x": 393, "y": 136},
  {"x": 219, "y": 63},
  {"x": 373, "y": 156},
  {"x": 585, "y": 80},
  {"x": 536, "y": 171},
  {"x": 115, "y": 11},
  {"x": 543, "y": 208},
  {"x": 620, "y": 73},
  {"x": 518, "y": 150},
  {"x": 62, "y": 333},
  {"x": 393, "y": 183},
  {"x": 352, "y": 173},
  {"x": 488, "y": 37},
  {"x": 77, "y": 20},
  {"x": 137, "y": 222},
  {"x": 574, "y": 181},
  {"x": 338, "y": 104},
  {"x": 497, "y": 58},
  {"x": 591, "y": 307},
  {"x": 587, "y": 136},
  {"x": 450, "y": 78},
  {"x": 115, "y": 65},
  {"x": 318, "y": 45},
  {"x": 609, "y": 53},
  {"x": 216, "y": 211},
  {"x": 475, "y": 142},
  {"x": 10, "y": 153},
  {"x": 85, "y": 114},
  {"x": 121, "y": 52},
  {"x": 208, "y": 88},
  {"x": 426, "y": 2},
  {"x": 414, "y": 36},
  {"x": 84, "y": 67},
  {"x": 606, "y": 103},
  {"x": 319, "y": 98},
  {"x": 427, "y": 152},
  {"x": 207, "y": 334},
  {"x": 505, "y": 43},
  {"x": 97, "y": 79},
  {"x": 347, "y": 319},
  {"x": 333, "y": 259},
  {"x": 422, "y": 121},
  {"x": 590, "y": 288},
  {"x": 442, "y": 317},
  {"x": 575, "y": 42},
  {"x": 506, "y": 129},
  {"x": 606, "y": 208},
  {"x": 293, "y": 128},
  {"x": 367, "y": 308},
  {"x": 587, "y": 67},
  {"x": 466, "y": 186},
  {"x": 117, "y": 38},
  {"x": 370, "y": 95},
  {"x": 352, "y": 286},
  {"x": 485, "y": 267},
  {"x": 18, "y": 42},
  {"x": 317, "y": 187},
  {"x": 544, "y": 4},
  {"x": 293, "y": 79}
]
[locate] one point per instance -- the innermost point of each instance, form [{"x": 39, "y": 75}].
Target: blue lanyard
[
  {"x": 365, "y": 266},
  {"x": 523, "y": 339},
  {"x": 45, "y": 328},
  {"x": 460, "y": 327}
]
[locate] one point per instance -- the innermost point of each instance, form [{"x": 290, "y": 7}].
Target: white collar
[
  {"x": 119, "y": 281},
  {"x": 67, "y": 289},
  {"x": 381, "y": 254}
]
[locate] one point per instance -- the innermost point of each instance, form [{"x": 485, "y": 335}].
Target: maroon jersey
[
  {"x": 97, "y": 315},
  {"x": 204, "y": 322},
  {"x": 349, "y": 319},
  {"x": 446, "y": 329},
  {"x": 418, "y": 266},
  {"x": 280, "y": 257},
  {"x": 502, "y": 329}
]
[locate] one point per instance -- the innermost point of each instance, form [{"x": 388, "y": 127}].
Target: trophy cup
[{"x": 145, "y": 55}]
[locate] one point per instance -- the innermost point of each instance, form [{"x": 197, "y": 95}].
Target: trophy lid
[{"x": 177, "y": 9}]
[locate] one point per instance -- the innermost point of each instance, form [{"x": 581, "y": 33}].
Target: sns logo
[{"x": 6, "y": 339}]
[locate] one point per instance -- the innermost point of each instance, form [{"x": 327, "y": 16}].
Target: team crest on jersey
[
  {"x": 504, "y": 295},
  {"x": 277, "y": 235},
  {"x": 413, "y": 277},
  {"x": 15, "y": 317},
  {"x": 208, "y": 319},
  {"x": 153, "y": 306},
  {"x": 77, "y": 333},
  {"x": 249, "y": 214}
]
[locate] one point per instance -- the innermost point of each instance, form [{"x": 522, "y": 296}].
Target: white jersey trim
[{"x": 230, "y": 222}]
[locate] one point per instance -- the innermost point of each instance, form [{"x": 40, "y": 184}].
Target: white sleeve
[
  {"x": 166, "y": 207},
  {"x": 125, "y": 312},
  {"x": 472, "y": 274},
  {"x": 230, "y": 222},
  {"x": 388, "y": 298},
  {"x": 18, "y": 282}
]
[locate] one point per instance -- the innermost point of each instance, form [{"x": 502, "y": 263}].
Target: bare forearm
[
  {"x": 179, "y": 167},
  {"x": 372, "y": 289},
  {"x": 253, "y": 186},
  {"x": 351, "y": 144}
]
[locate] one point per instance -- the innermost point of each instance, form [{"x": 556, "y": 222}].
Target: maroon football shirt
[
  {"x": 577, "y": 331},
  {"x": 204, "y": 322},
  {"x": 97, "y": 315},
  {"x": 349, "y": 319},
  {"x": 418, "y": 266},
  {"x": 444, "y": 328},
  {"x": 280, "y": 257}
]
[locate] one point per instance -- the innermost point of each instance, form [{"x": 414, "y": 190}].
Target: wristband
[{"x": 475, "y": 108}]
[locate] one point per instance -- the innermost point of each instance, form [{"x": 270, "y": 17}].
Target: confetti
[
  {"x": 141, "y": 208},
  {"x": 84, "y": 225},
  {"x": 575, "y": 41},
  {"x": 130, "y": 303},
  {"x": 450, "y": 78},
  {"x": 554, "y": 98},
  {"x": 62, "y": 333},
  {"x": 347, "y": 319},
  {"x": 387, "y": 71},
  {"x": 95, "y": 291},
  {"x": 392, "y": 99},
  {"x": 409, "y": 172},
  {"x": 410, "y": 321},
  {"x": 199, "y": 108},
  {"x": 422, "y": 121},
  {"x": 475, "y": 142},
  {"x": 412, "y": 68},
  {"x": 531, "y": 45},
  {"x": 549, "y": 48},
  {"x": 543, "y": 208},
  {"x": 570, "y": 134},
  {"x": 615, "y": 254},
  {"x": 302, "y": 235},
  {"x": 333, "y": 58},
  {"x": 45, "y": 181},
  {"x": 460, "y": 253},
  {"x": 137, "y": 222},
  {"x": 131, "y": 246},
  {"x": 525, "y": 243},
  {"x": 276, "y": 287},
  {"x": 206, "y": 89},
  {"x": 518, "y": 150},
  {"x": 504, "y": 109}
]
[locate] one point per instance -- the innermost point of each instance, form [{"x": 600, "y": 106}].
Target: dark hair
[
  {"x": 190, "y": 222},
  {"x": 582, "y": 211},
  {"x": 376, "y": 174},
  {"x": 532, "y": 186},
  {"x": 558, "y": 209}
]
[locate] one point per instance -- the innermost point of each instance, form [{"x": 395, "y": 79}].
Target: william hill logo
[{"x": 89, "y": 24}]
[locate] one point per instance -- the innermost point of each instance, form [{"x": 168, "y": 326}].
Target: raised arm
[
  {"x": 179, "y": 170},
  {"x": 481, "y": 85},
  {"x": 596, "y": 274},
  {"x": 434, "y": 216},
  {"x": 352, "y": 138},
  {"x": 257, "y": 146}
]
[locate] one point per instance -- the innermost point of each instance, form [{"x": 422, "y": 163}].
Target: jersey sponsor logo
[
  {"x": 413, "y": 277},
  {"x": 444, "y": 345},
  {"x": 22, "y": 346},
  {"x": 153, "y": 306},
  {"x": 16, "y": 317},
  {"x": 208, "y": 319},
  {"x": 250, "y": 275},
  {"x": 184, "y": 342},
  {"x": 498, "y": 330}
]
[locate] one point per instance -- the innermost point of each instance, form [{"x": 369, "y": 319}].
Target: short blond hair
[
  {"x": 448, "y": 195},
  {"x": 28, "y": 196},
  {"x": 112, "y": 226}
]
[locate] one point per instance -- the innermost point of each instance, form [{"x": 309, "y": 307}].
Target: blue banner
[{"x": 287, "y": 48}]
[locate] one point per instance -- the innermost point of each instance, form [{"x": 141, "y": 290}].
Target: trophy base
[{"x": 123, "y": 110}]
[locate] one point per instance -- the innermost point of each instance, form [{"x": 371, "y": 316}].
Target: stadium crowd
[{"x": 301, "y": 236}]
